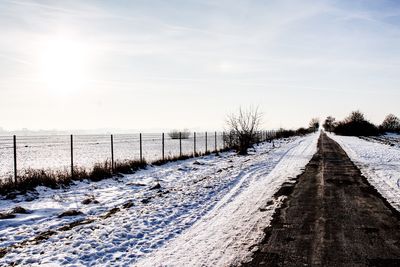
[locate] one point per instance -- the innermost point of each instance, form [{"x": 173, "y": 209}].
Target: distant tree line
[
  {"x": 312, "y": 127},
  {"x": 357, "y": 125}
]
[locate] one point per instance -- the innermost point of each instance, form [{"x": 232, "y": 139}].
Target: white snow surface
[
  {"x": 227, "y": 235},
  {"x": 208, "y": 211},
  {"x": 378, "y": 162}
]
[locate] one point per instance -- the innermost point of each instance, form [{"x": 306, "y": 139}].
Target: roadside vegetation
[
  {"x": 29, "y": 179},
  {"x": 243, "y": 133},
  {"x": 244, "y": 130},
  {"x": 357, "y": 125},
  {"x": 391, "y": 124}
]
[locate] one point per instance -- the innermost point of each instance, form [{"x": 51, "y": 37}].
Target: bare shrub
[
  {"x": 314, "y": 124},
  {"x": 101, "y": 171},
  {"x": 302, "y": 131},
  {"x": 390, "y": 124},
  {"x": 129, "y": 166},
  {"x": 329, "y": 124},
  {"x": 243, "y": 129},
  {"x": 175, "y": 134}
]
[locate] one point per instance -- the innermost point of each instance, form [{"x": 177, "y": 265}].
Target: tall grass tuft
[
  {"x": 171, "y": 159},
  {"x": 129, "y": 166}
]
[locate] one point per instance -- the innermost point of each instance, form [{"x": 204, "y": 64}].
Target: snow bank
[
  {"x": 378, "y": 162},
  {"x": 204, "y": 211}
]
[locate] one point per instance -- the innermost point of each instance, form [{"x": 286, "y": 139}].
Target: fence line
[{"x": 226, "y": 142}]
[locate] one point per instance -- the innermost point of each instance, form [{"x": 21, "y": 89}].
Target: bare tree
[
  {"x": 329, "y": 124},
  {"x": 314, "y": 124},
  {"x": 355, "y": 116},
  {"x": 390, "y": 124},
  {"x": 356, "y": 125},
  {"x": 244, "y": 128}
]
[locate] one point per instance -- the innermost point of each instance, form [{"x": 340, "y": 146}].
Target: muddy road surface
[{"x": 332, "y": 217}]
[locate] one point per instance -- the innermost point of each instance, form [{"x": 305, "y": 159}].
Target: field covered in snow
[
  {"x": 378, "y": 160},
  {"x": 204, "y": 211},
  {"x": 387, "y": 139},
  {"x": 54, "y": 152}
]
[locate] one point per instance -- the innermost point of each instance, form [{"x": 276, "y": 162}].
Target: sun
[{"x": 63, "y": 65}]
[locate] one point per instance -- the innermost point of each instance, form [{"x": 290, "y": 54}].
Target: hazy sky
[{"x": 176, "y": 64}]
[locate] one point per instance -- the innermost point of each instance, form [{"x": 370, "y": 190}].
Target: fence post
[
  {"x": 180, "y": 144},
  {"x": 112, "y": 154},
  {"x": 215, "y": 141},
  {"x": 223, "y": 140},
  {"x": 206, "y": 142},
  {"x": 163, "y": 146},
  {"x": 140, "y": 147},
  {"x": 15, "y": 158},
  {"x": 72, "y": 156},
  {"x": 194, "y": 143}
]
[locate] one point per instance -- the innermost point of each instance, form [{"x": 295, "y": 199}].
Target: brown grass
[{"x": 31, "y": 178}]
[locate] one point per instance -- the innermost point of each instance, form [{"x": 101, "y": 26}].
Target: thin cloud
[{"x": 17, "y": 60}]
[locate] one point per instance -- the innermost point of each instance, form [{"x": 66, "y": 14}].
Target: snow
[
  {"x": 227, "y": 234},
  {"x": 378, "y": 162},
  {"x": 390, "y": 139},
  {"x": 53, "y": 152},
  {"x": 208, "y": 210}
]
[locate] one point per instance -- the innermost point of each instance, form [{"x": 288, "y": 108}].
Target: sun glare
[{"x": 64, "y": 65}]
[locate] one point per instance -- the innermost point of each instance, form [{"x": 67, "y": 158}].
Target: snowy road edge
[{"x": 379, "y": 163}]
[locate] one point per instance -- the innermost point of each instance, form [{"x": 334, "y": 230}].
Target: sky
[{"x": 188, "y": 64}]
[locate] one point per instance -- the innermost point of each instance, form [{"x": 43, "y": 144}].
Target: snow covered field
[
  {"x": 387, "y": 139},
  {"x": 379, "y": 162},
  {"x": 204, "y": 211},
  {"x": 53, "y": 152}
]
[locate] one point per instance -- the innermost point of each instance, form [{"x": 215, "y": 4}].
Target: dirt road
[{"x": 332, "y": 217}]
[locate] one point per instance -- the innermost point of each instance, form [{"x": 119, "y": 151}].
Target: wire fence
[{"x": 66, "y": 152}]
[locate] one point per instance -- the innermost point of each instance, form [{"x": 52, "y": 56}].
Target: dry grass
[
  {"x": 31, "y": 178},
  {"x": 129, "y": 166},
  {"x": 171, "y": 159}
]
